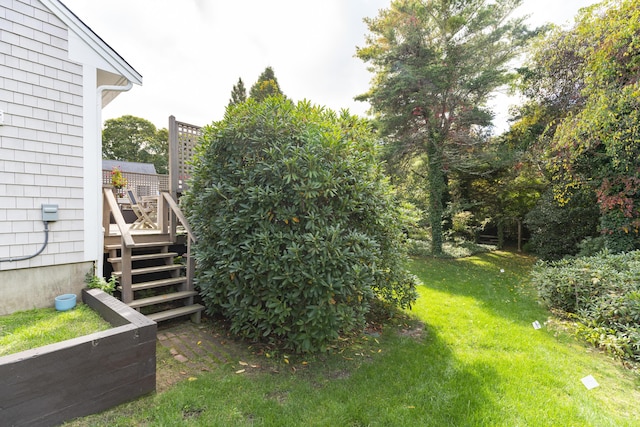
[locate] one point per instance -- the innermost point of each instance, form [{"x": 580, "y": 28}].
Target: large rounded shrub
[
  {"x": 297, "y": 227},
  {"x": 603, "y": 293}
]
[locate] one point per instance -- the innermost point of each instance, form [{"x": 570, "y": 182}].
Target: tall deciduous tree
[
  {"x": 266, "y": 86},
  {"x": 436, "y": 63},
  {"x": 601, "y": 142},
  {"x": 238, "y": 93},
  {"x": 595, "y": 145},
  {"x": 133, "y": 139}
]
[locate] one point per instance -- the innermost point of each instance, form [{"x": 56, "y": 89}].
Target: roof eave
[{"x": 101, "y": 48}]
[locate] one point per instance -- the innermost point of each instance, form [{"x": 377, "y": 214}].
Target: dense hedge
[
  {"x": 297, "y": 228},
  {"x": 602, "y": 292},
  {"x": 557, "y": 230}
]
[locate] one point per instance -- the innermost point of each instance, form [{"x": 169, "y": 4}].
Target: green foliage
[
  {"x": 552, "y": 79},
  {"x": 433, "y": 80},
  {"x": 557, "y": 230},
  {"x": 238, "y": 93},
  {"x": 619, "y": 235},
  {"x": 411, "y": 217},
  {"x": 588, "y": 77},
  {"x": 297, "y": 227},
  {"x": 421, "y": 248},
  {"x": 117, "y": 179},
  {"x": 463, "y": 226},
  {"x": 603, "y": 292},
  {"x": 95, "y": 282},
  {"x": 591, "y": 246},
  {"x": 266, "y": 86},
  {"x": 133, "y": 139},
  {"x": 496, "y": 196}
]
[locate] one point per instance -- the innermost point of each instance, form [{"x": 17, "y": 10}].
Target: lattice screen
[{"x": 188, "y": 136}]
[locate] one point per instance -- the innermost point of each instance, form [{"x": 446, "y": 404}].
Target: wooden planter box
[{"x": 55, "y": 383}]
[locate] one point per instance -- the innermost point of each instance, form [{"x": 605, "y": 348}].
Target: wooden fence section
[{"x": 142, "y": 184}]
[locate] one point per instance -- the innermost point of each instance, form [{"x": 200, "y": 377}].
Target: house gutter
[
  {"x": 99, "y": 265},
  {"x": 114, "y": 88}
]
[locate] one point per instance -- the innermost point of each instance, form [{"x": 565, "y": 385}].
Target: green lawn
[
  {"x": 467, "y": 355},
  {"x": 25, "y": 330}
]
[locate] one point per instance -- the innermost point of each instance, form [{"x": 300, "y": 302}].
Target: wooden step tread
[
  {"x": 176, "y": 312},
  {"x": 142, "y": 245},
  {"x": 154, "y": 269},
  {"x": 159, "y": 299},
  {"x": 144, "y": 257},
  {"x": 156, "y": 283}
]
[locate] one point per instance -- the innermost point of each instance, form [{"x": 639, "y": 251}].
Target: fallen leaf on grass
[
  {"x": 240, "y": 371},
  {"x": 192, "y": 378},
  {"x": 243, "y": 363}
]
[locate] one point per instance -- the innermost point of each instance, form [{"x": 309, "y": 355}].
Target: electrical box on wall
[{"x": 49, "y": 213}]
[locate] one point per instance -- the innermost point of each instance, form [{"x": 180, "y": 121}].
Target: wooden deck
[
  {"x": 153, "y": 276},
  {"x": 115, "y": 231}
]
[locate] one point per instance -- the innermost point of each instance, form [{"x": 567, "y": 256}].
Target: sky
[{"x": 191, "y": 53}]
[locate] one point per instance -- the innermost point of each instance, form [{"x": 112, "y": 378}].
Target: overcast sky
[{"x": 191, "y": 52}]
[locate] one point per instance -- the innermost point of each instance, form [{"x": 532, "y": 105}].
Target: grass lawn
[
  {"x": 465, "y": 355},
  {"x": 25, "y": 330}
]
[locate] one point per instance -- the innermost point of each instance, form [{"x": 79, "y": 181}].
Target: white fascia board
[{"x": 86, "y": 47}]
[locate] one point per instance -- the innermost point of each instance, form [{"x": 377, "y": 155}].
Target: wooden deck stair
[
  {"x": 159, "y": 289},
  {"x": 150, "y": 280}
]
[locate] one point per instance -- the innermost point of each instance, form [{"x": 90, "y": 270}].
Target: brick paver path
[{"x": 197, "y": 348}]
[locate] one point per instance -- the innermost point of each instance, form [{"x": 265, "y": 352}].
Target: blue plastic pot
[{"x": 65, "y": 302}]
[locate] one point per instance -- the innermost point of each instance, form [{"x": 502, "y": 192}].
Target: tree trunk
[{"x": 436, "y": 190}]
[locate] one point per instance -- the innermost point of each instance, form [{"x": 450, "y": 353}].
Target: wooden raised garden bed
[{"x": 58, "y": 382}]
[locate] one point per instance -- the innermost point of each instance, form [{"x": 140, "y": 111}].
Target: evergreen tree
[
  {"x": 238, "y": 93},
  {"x": 436, "y": 64},
  {"x": 266, "y": 86}
]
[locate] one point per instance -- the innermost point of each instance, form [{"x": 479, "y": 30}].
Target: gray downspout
[{"x": 99, "y": 266}]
